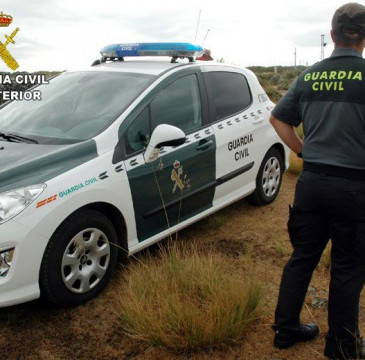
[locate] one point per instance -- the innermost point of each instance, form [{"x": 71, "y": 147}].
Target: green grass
[
  {"x": 216, "y": 220},
  {"x": 186, "y": 301}
]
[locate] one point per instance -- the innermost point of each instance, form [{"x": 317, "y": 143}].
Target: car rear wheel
[
  {"x": 269, "y": 177},
  {"x": 79, "y": 259}
]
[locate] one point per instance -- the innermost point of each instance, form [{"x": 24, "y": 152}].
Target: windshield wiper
[{"x": 17, "y": 138}]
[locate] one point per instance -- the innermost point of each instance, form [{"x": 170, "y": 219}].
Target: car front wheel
[
  {"x": 79, "y": 259},
  {"x": 269, "y": 177}
]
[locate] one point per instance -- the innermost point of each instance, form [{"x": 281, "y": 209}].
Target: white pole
[{"x": 197, "y": 26}]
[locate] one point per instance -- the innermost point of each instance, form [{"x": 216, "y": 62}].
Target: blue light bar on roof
[{"x": 152, "y": 49}]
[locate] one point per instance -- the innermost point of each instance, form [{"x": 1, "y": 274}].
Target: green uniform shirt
[{"x": 329, "y": 99}]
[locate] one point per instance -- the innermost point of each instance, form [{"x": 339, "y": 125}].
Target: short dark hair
[
  {"x": 348, "y": 24},
  {"x": 348, "y": 37}
]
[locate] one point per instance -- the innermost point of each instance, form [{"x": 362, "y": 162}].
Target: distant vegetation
[{"x": 276, "y": 80}]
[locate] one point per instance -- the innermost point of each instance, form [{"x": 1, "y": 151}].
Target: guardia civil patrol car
[{"x": 117, "y": 156}]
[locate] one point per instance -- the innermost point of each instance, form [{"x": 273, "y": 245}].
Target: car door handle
[
  {"x": 204, "y": 145},
  {"x": 258, "y": 120}
]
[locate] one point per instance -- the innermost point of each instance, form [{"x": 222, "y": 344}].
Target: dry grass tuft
[{"x": 185, "y": 301}]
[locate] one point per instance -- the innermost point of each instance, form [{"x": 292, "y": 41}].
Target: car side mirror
[{"x": 163, "y": 135}]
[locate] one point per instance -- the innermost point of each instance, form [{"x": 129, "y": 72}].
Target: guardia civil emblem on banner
[{"x": 5, "y": 21}]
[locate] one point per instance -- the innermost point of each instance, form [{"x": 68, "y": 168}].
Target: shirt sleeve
[{"x": 287, "y": 109}]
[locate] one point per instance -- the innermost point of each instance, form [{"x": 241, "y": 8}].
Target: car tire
[
  {"x": 268, "y": 180},
  {"x": 79, "y": 259}
]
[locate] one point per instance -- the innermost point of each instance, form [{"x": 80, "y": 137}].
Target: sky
[{"x": 68, "y": 34}]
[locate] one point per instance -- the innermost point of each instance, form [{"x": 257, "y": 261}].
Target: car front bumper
[{"x": 20, "y": 284}]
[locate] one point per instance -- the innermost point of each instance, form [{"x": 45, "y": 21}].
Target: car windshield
[{"x": 75, "y": 107}]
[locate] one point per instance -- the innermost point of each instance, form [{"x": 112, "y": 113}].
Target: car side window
[
  {"x": 230, "y": 91},
  {"x": 179, "y": 105},
  {"x": 137, "y": 135}
]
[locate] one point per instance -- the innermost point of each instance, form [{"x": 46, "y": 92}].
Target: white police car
[{"x": 119, "y": 156}]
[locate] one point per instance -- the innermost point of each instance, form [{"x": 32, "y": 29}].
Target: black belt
[{"x": 354, "y": 174}]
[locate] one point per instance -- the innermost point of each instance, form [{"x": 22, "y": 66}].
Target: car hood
[{"x": 24, "y": 164}]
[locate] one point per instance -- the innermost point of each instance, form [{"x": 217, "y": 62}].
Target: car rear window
[{"x": 230, "y": 92}]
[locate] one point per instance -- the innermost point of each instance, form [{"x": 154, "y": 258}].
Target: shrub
[
  {"x": 275, "y": 77},
  {"x": 263, "y": 82},
  {"x": 286, "y": 79},
  {"x": 186, "y": 301},
  {"x": 274, "y": 94}
]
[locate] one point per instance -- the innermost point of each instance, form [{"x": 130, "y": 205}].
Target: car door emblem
[{"x": 175, "y": 176}]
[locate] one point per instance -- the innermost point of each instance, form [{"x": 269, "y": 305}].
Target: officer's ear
[
  {"x": 363, "y": 44},
  {"x": 333, "y": 36}
]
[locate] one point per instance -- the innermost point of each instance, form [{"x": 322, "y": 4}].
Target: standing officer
[{"x": 329, "y": 100}]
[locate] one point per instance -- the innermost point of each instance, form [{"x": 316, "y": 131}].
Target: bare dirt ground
[{"x": 39, "y": 331}]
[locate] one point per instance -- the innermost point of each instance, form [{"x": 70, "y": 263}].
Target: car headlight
[{"x": 15, "y": 201}]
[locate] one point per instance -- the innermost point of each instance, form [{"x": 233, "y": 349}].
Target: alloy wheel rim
[
  {"x": 85, "y": 260},
  {"x": 271, "y": 177}
]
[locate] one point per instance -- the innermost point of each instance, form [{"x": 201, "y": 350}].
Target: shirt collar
[{"x": 345, "y": 52}]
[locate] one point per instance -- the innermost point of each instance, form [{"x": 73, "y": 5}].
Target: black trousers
[{"x": 326, "y": 207}]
